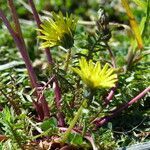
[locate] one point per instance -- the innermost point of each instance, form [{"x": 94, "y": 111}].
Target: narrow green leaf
[
  {"x": 75, "y": 139},
  {"x": 133, "y": 23},
  {"x": 141, "y": 3}
]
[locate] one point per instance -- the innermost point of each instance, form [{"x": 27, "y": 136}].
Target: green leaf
[
  {"x": 133, "y": 23},
  {"x": 140, "y": 3},
  {"x": 146, "y": 21},
  {"x": 142, "y": 25},
  {"x": 110, "y": 125},
  {"x": 49, "y": 123},
  {"x": 10, "y": 65},
  {"x": 75, "y": 139}
]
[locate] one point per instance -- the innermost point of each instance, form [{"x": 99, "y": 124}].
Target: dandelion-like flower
[
  {"x": 94, "y": 76},
  {"x": 58, "y": 31}
]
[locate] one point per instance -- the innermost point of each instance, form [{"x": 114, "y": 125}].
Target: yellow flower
[
  {"x": 94, "y": 76},
  {"x": 58, "y": 31}
]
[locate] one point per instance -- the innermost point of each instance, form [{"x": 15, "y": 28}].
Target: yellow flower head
[
  {"x": 94, "y": 76},
  {"x": 58, "y": 31}
]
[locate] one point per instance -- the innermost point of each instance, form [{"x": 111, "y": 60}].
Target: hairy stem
[{"x": 86, "y": 103}]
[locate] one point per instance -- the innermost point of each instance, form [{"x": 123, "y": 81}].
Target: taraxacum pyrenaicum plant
[
  {"x": 74, "y": 113},
  {"x": 94, "y": 76},
  {"x": 58, "y": 31}
]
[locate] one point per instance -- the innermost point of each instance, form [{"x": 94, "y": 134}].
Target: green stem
[
  {"x": 73, "y": 122},
  {"x": 42, "y": 134},
  {"x": 67, "y": 59}
]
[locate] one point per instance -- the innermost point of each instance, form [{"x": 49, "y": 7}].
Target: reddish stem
[
  {"x": 22, "y": 48},
  {"x": 57, "y": 89},
  {"x": 110, "y": 96},
  {"x": 100, "y": 122},
  {"x": 112, "y": 91},
  {"x": 15, "y": 18},
  {"x": 43, "y": 103},
  {"x": 39, "y": 22},
  {"x": 43, "y": 88}
]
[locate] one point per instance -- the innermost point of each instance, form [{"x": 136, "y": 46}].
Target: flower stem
[
  {"x": 57, "y": 89},
  {"x": 58, "y": 98},
  {"x": 73, "y": 122},
  {"x": 112, "y": 91},
  {"x": 39, "y": 22},
  {"x": 22, "y": 48},
  {"x": 100, "y": 122},
  {"x": 110, "y": 96},
  {"x": 67, "y": 59},
  {"x": 15, "y": 18}
]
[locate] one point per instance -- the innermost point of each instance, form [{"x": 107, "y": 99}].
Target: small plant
[
  {"x": 57, "y": 104},
  {"x": 15, "y": 127}
]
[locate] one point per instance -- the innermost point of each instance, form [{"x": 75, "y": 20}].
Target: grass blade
[{"x": 133, "y": 23}]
